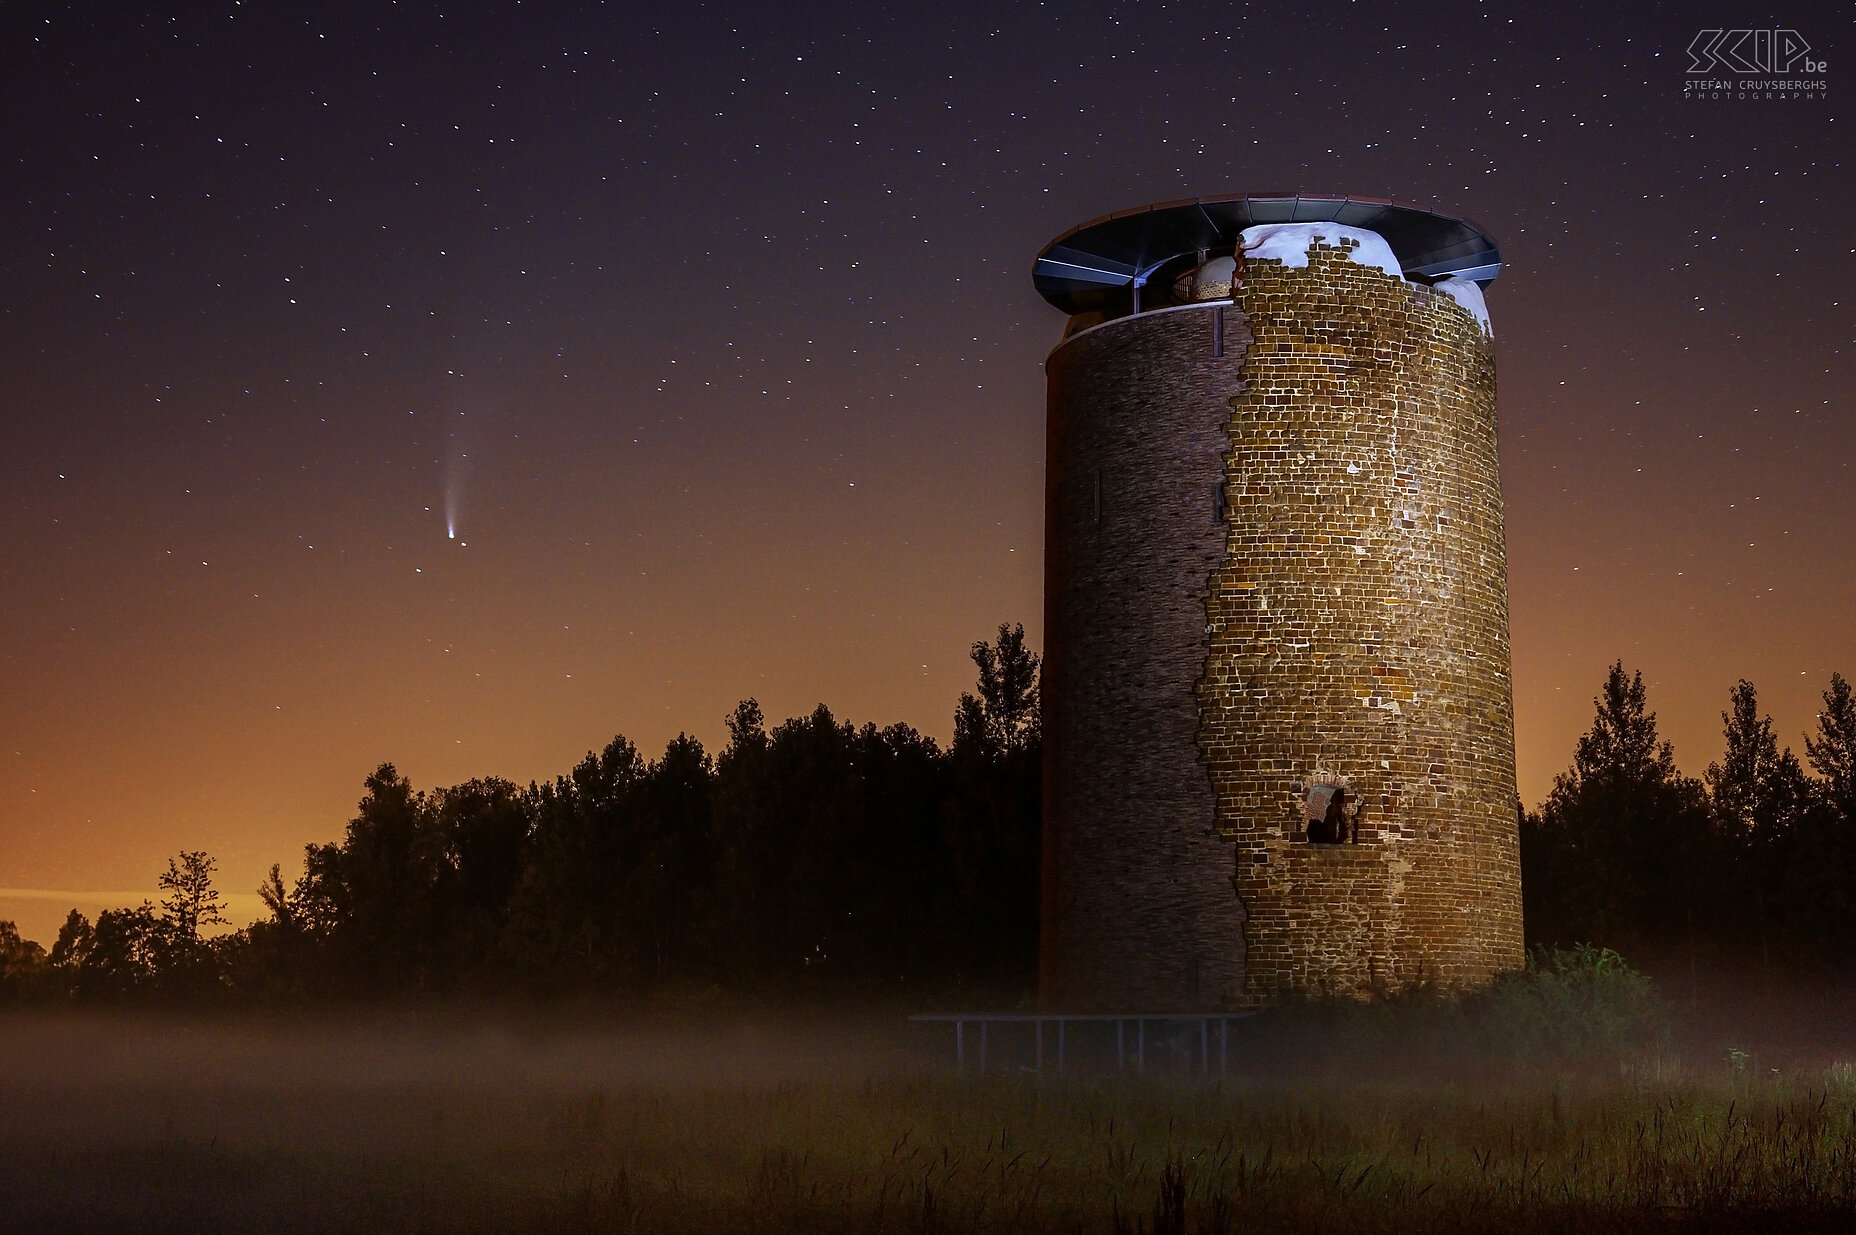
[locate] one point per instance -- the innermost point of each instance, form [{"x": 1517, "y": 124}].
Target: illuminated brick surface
[{"x": 1346, "y": 624}]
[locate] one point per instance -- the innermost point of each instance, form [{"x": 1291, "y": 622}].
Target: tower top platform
[{"x": 1125, "y": 249}]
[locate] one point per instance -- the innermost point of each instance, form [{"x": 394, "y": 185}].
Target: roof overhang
[{"x": 1124, "y": 248}]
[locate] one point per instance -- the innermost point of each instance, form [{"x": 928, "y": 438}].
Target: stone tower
[{"x": 1279, "y": 741}]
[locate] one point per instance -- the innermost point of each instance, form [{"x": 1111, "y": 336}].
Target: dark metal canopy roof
[{"x": 1120, "y": 249}]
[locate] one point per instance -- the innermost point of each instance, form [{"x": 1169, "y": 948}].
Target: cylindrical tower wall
[
  {"x": 1359, "y": 638},
  {"x": 1275, "y": 583},
  {"x": 1138, "y": 909}
]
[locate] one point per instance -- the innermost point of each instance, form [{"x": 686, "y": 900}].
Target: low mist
[{"x": 1592, "y": 1103}]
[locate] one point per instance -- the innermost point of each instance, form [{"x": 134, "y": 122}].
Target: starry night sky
[{"x": 709, "y": 330}]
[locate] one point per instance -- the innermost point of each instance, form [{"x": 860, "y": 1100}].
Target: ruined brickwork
[
  {"x": 1337, "y": 616},
  {"x": 1359, "y": 636},
  {"x": 1138, "y": 909}
]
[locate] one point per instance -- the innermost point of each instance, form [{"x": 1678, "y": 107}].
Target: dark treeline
[
  {"x": 820, "y": 857},
  {"x": 1749, "y": 870},
  {"x": 812, "y": 856}
]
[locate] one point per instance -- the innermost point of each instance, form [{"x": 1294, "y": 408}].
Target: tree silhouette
[
  {"x": 562, "y": 926},
  {"x": 129, "y": 952},
  {"x": 1816, "y": 858},
  {"x": 274, "y": 958},
  {"x": 1622, "y": 746},
  {"x": 73, "y": 942},
  {"x": 22, "y": 963},
  {"x": 1757, "y": 795},
  {"x": 670, "y": 878},
  {"x": 1004, "y": 717},
  {"x": 792, "y": 817},
  {"x": 1833, "y": 751},
  {"x": 1622, "y": 853},
  {"x": 191, "y": 901},
  {"x": 994, "y": 830},
  {"x": 276, "y": 898},
  {"x": 817, "y": 856},
  {"x": 477, "y": 834},
  {"x": 368, "y": 900}
]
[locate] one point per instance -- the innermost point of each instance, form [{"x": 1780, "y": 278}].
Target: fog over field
[
  {"x": 1339, "y": 1118},
  {"x": 150, "y": 1123}
]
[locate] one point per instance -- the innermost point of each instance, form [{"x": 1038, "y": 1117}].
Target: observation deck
[{"x": 1103, "y": 265}]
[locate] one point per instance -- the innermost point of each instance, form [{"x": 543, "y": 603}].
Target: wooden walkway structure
[{"x": 1209, "y": 1026}]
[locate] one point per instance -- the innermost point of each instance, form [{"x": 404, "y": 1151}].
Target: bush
[
  {"x": 1581, "y": 1004},
  {"x": 1571, "y": 1007}
]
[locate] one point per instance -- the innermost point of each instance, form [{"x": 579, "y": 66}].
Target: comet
[{"x": 456, "y": 475}]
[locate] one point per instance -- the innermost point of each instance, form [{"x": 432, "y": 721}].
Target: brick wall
[
  {"x": 1342, "y": 620},
  {"x": 1138, "y": 909},
  {"x": 1359, "y": 634}
]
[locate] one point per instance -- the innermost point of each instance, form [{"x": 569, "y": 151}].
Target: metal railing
[{"x": 1139, "y": 1021}]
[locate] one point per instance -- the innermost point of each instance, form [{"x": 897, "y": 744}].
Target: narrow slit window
[{"x": 1095, "y": 499}]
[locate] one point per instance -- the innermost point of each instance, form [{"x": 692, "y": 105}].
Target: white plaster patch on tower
[
  {"x": 1468, "y": 293},
  {"x": 1289, "y": 243}
]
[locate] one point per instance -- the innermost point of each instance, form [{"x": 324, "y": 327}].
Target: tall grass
[
  {"x": 1030, "y": 1155},
  {"x": 1551, "y": 1101},
  {"x": 512, "y": 1138}
]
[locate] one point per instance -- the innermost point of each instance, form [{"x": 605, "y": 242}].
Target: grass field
[{"x": 788, "y": 1124}]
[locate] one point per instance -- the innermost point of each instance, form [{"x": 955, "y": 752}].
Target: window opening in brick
[
  {"x": 1327, "y": 815},
  {"x": 1218, "y": 502},
  {"x": 1095, "y": 499}
]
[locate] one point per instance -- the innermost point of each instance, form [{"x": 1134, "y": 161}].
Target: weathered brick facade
[
  {"x": 1338, "y": 622},
  {"x": 1138, "y": 909}
]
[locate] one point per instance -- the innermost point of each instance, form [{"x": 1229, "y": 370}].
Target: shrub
[{"x": 1582, "y": 1004}]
